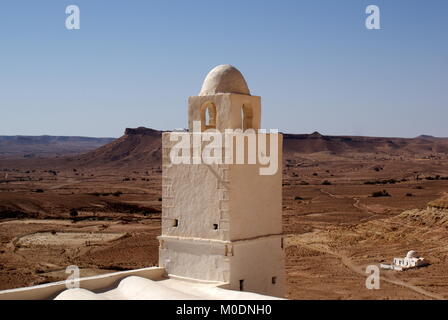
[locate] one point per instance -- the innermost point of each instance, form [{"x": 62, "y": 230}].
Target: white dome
[
  {"x": 412, "y": 254},
  {"x": 224, "y": 79}
]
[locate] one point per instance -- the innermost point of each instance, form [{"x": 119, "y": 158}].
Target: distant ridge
[
  {"x": 315, "y": 134},
  {"x": 343, "y": 145},
  {"x": 141, "y": 148},
  {"x": 47, "y": 146},
  {"x": 425, "y": 136}
]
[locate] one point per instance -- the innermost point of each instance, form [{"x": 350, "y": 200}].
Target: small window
[
  {"x": 208, "y": 116},
  {"x": 215, "y": 226},
  {"x": 241, "y": 285},
  {"x": 175, "y": 223},
  {"x": 274, "y": 280}
]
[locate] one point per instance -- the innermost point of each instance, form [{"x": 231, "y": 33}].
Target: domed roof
[
  {"x": 412, "y": 254},
  {"x": 224, "y": 79}
]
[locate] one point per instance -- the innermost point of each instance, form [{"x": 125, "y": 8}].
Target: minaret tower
[{"x": 223, "y": 222}]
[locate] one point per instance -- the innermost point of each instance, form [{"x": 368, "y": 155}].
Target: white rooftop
[
  {"x": 138, "y": 288},
  {"x": 140, "y": 284}
]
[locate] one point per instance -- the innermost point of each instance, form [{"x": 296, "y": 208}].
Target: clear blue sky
[{"x": 135, "y": 62}]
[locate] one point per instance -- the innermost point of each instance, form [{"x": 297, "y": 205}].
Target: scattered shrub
[
  {"x": 39, "y": 191},
  {"x": 387, "y": 181},
  {"x": 409, "y": 194},
  {"x": 73, "y": 213},
  {"x": 383, "y": 193},
  {"x": 436, "y": 177},
  {"x": 326, "y": 183},
  {"x": 298, "y": 198}
]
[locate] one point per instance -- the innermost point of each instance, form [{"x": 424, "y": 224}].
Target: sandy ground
[{"x": 333, "y": 230}]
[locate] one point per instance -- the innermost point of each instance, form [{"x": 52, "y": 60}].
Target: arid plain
[{"x": 348, "y": 202}]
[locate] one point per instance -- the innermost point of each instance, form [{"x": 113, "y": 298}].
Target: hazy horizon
[
  {"x": 116, "y": 137},
  {"x": 313, "y": 62}
]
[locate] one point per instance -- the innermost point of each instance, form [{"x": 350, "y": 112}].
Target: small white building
[{"x": 412, "y": 260}]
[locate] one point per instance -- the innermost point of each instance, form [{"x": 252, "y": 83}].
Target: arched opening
[
  {"x": 208, "y": 116},
  {"x": 246, "y": 117}
]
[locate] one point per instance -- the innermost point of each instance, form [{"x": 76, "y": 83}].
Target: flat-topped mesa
[
  {"x": 142, "y": 131},
  {"x": 224, "y": 102}
]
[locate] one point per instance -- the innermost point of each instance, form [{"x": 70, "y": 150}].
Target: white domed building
[{"x": 412, "y": 260}]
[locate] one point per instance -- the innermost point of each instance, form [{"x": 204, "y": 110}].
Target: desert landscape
[{"x": 348, "y": 202}]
